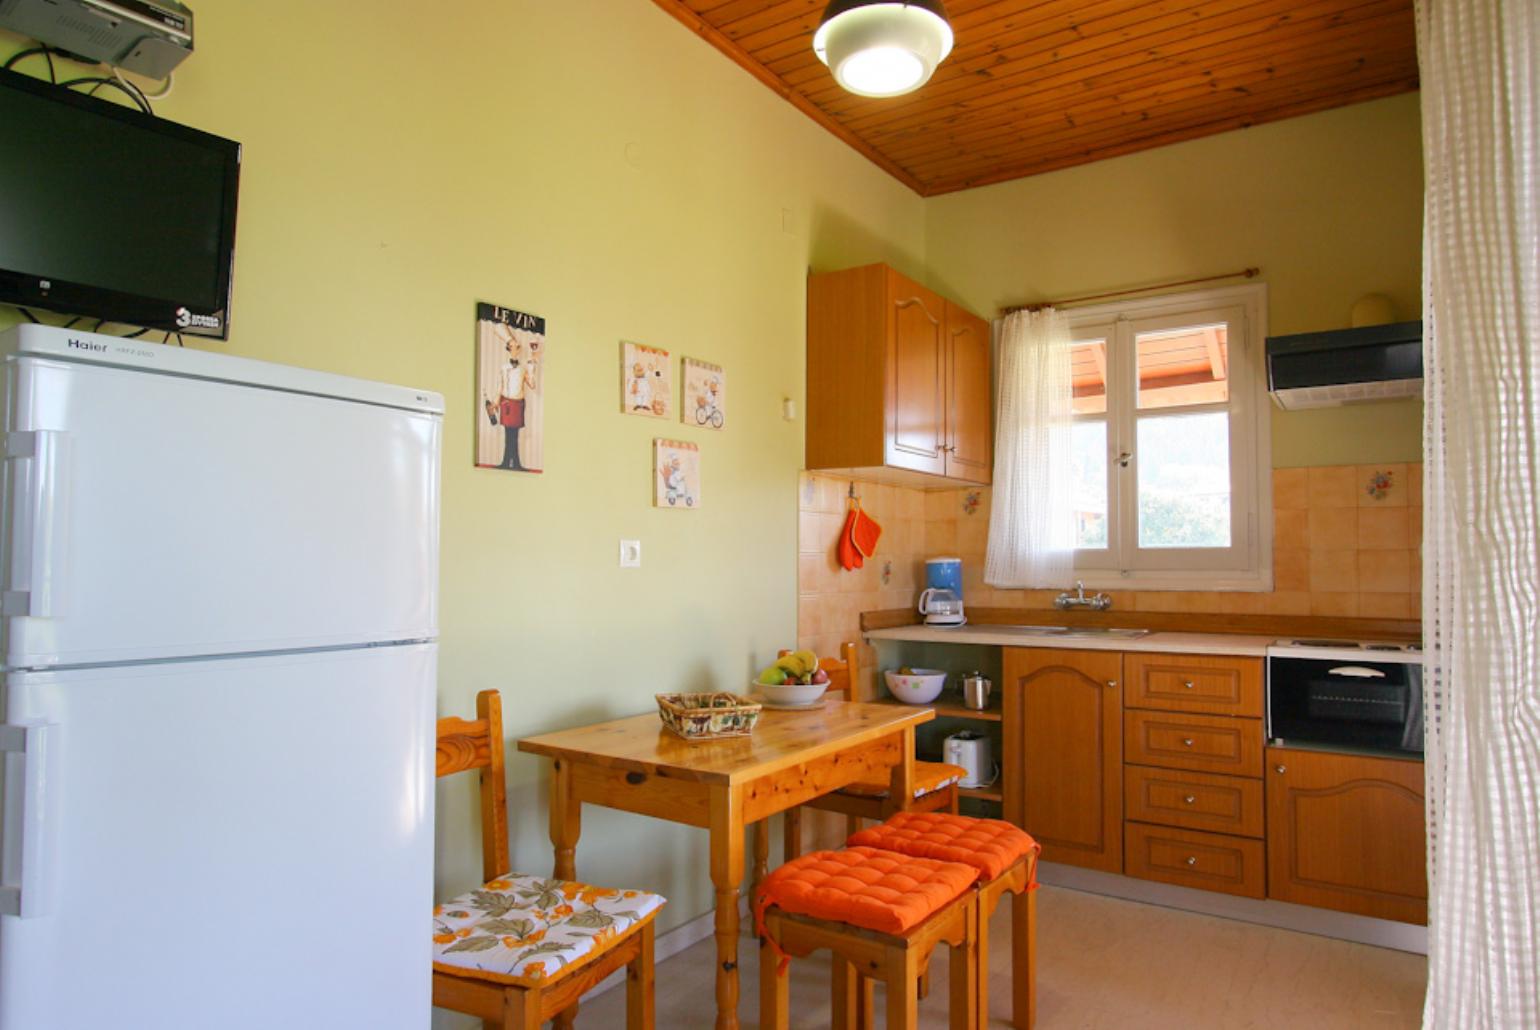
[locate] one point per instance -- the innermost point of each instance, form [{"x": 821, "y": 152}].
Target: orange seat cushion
[
  {"x": 929, "y": 777},
  {"x": 866, "y": 887},
  {"x": 989, "y": 846}
]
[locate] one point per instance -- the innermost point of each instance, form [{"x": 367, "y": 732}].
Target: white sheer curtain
[
  {"x": 1031, "y": 517},
  {"x": 1480, "y": 63}
]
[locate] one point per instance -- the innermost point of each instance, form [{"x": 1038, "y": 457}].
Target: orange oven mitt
[
  {"x": 864, "y": 532},
  {"x": 849, "y": 558}
]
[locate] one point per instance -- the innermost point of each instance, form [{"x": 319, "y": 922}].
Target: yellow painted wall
[
  {"x": 399, "y": 167},
  {"x": 1329, "y": 206}
]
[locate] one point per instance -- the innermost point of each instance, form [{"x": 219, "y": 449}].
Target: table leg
[
  {"x": 566, "y": 821},
  {"x": 761, "y": 837},
  {"x": 901, "y": 785},
  {"x": 727, "y": 876}
]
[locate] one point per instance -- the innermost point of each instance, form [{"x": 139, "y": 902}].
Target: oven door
[{"x": 1346, "y": 703}]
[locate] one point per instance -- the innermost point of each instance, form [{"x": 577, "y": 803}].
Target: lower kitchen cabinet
[
  {"x": 1347, "y": 832},
  {"x": 1063, "y": 712},
  {"x": 1187, "y": 858}
]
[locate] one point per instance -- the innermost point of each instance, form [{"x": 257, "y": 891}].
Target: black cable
[
  {"x": 30, "y": 316},
  {"x": 104, "y": 80}
]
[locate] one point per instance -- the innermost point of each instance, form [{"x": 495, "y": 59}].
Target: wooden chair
[
  {"x": 935, "y": 782},
  {"x": 483, "y": 940}
]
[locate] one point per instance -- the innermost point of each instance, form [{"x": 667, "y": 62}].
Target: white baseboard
[{"x": 1382, "y": 933}]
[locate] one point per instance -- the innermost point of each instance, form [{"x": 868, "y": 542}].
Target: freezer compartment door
[
  {"x": 151, "y": 516},
  {"x": 241, "y": 843}
]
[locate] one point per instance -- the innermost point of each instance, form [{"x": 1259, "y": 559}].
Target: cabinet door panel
[
  {"x": 970, "y": 425},
  {"x": 1207, "y": 861},
  {"x": 1194, "y": 801},
  {"x": 916, "y": 377},
  {"x": 1065, "y": 717},
  {"x": 1207, "y": 743},
  {"x": 1218, "y": 685},
  {"x": 1347, "y": 832}
]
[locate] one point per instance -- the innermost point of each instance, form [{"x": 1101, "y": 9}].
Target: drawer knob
[
  {"x": 1192, "y": 860},
  {"x": 1187, "y": 742},
  {"x": 1190, "y": 799},
  {"x": 1187, "y": 684},
  {"x": 1280, "y": 769}
]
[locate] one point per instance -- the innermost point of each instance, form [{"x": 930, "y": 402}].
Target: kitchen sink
[{"x": 1077, "y": 631}]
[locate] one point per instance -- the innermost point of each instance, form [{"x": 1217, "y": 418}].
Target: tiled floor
[{"x": 1107, "y": 963}]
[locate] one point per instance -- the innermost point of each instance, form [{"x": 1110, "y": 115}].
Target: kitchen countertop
[{"x": 1016, "y": 636}]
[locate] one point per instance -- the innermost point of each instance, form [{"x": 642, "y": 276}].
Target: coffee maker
[{"x": 941, "y": 602}]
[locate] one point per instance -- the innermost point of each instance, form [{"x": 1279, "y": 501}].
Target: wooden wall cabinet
[
  {"x": 1347, "y": 832},
  {"x": 1063, "y": 713},
  {"x": 898, "y": 380}
]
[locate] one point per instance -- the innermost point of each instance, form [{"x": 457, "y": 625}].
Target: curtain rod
[{"x": 1245, "y": 273}]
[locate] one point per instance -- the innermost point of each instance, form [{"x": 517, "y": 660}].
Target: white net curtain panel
[{"x": 1480, "y": 64}]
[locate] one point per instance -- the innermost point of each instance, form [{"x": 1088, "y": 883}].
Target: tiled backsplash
[{"x": 1345, "y": 542}]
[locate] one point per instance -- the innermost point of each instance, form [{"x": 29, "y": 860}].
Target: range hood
[{"x": 1344, "y": 366}]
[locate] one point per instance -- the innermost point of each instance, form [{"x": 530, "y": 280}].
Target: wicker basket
[{"x": 708, "y": 716}]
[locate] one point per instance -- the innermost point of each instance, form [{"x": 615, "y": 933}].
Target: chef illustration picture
[
  {"x": 676, "y": 475},
  {"x": 511, "y": 347},
  {"x": 646, "y": 381}
]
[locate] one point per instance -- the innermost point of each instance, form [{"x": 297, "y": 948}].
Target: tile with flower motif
[{"x": 1381, "y": 486}]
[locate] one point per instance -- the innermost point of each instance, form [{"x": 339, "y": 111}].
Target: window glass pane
[
  {"x": 1184, "y": 480},
  {"x": 1190, "y": 365},
  {"x": 1090, "y": 483},
  {"x": 1088, "y": 366}
]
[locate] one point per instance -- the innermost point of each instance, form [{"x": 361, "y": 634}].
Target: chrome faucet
[{"x": 1096, "y": 602}]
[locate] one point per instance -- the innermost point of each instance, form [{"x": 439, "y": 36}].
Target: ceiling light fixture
[{"x": 883, "y": 49}]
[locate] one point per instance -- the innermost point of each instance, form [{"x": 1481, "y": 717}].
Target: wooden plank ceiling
[{"x": 1035, "y": 85}]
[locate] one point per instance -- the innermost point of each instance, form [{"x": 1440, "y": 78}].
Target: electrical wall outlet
[{"x": 630, "y": 554}]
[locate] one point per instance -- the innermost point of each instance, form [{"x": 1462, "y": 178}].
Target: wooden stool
[
  {"x": 1005, "y": 859},
  {"x": 881, "y": 914}
]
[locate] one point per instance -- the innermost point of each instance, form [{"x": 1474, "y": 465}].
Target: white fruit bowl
[
  {"x": 790, "y": 693},
  {"x": 919, "y": 687}
]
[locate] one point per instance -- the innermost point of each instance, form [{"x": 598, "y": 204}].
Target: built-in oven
[{"x": 1346, "y": 695}]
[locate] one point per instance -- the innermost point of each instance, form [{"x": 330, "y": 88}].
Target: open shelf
[
  {"x": 982, "y": 793},
  {"x": 950, "y": 709}
]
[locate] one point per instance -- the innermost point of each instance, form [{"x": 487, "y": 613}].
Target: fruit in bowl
[
  {"x": 915, "y": 686},
  {"x": 793, "y": 679}
]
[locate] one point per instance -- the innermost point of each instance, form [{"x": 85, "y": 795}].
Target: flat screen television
[{"x": 109, "y": 213}]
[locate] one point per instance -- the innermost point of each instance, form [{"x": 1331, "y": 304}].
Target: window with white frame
[{"x": 1172, "y": 464}]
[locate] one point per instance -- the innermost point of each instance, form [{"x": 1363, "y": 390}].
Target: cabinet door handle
[
  {"x": 1187, "y": 684},
  {"x": 1280, "y": 769},
  {"x": 1112, "y": 684},
  {"x": 1187, "y": 742},
  {"x": 1192, "y": 860},
  {"x": 1190, "y": 799}
]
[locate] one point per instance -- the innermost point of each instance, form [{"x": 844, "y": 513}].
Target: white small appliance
[
  {"x": 972, "y": 751},
  {"x": 941, "y": 607}
]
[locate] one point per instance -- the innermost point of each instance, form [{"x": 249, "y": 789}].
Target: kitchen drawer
[
  {"x": 1206, "y": 743},
  {"x": 1193, "y": 800},
  {"x": 1206, "y": 861},
  {"x": 1211, "y": 684}
]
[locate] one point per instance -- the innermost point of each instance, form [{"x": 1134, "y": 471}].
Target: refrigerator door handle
[
  {"x": 42, "y": 511},
  {"x": 28, "y": 864}
]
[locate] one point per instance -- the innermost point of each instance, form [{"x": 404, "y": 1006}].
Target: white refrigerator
[{"x": 219, "y": 621}]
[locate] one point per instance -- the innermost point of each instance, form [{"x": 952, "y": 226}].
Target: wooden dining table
[{"x": 722, "y": 786}]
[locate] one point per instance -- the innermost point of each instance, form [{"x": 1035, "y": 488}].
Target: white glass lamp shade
[{"x": 878, "y": 49}]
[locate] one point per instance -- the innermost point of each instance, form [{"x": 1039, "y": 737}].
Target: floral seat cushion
[
  {"x": 929, "y": 777},
  {"x": 528, "y": 930}
]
